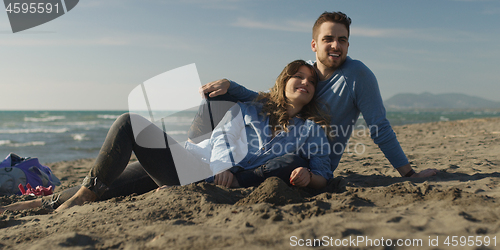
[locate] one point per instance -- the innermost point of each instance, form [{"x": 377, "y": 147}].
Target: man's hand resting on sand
[
  {"x": 425, "y": 173},
  {"x": 404, "y": 170}
]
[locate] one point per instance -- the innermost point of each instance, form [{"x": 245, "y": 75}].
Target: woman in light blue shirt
[{"x": 281, "y": 122}]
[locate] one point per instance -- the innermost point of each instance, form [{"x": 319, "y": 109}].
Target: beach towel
[{"x": 16, "y": 170}]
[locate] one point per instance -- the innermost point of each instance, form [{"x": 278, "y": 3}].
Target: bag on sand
[{"x": 15, "y": 170}]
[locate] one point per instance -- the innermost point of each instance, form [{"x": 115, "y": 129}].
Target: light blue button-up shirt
[{"x": 244, "y": 138}]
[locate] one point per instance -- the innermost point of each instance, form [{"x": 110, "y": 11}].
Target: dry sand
[{"x": 367, "y": 200}]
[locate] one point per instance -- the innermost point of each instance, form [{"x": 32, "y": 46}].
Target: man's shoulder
[
  {"x": 355, "y": 70},
  {"x": 354, "y": 66}
]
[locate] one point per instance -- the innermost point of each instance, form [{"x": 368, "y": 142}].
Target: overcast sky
[{"x": 92, "y": 57}]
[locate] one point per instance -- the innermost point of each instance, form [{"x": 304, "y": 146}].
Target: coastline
[
  {"x": 54, "y": 136},
  {"x": 368, "y": 200}
]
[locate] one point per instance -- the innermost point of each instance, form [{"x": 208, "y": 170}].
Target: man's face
[{"x": 330, "y": 45}]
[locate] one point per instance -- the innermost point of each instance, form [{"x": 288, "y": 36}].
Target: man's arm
[
  {"x": 369, "y": 101},
  {"x": 222, "y": 93},
  {"x": 224, "y": 86}
]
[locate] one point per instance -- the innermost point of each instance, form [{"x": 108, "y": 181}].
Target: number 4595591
[
  {"x": 32, "y": 8},
  {"x": 470, "y": 241}
]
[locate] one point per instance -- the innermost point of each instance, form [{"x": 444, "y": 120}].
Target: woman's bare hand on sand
[
  {"x": 215, "y": 88},
  {"x": 300, "y": 177},
  {"x": 226, "y": 179}
]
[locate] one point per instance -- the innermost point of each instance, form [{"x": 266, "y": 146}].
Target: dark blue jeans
[{"x": 281, "y": 167}]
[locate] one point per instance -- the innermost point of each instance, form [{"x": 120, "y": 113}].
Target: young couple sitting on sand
[
  {"x": 344, "y": 87},
  {"x": 287, "y": 115}
]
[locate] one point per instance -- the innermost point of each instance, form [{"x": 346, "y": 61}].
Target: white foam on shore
[
  {"x": 79, "y": 137},
  {"x": 444, "y": 119},
  {"x": 87, "y": 123},
  {"x": 113, "y": 117},
  {"x": 22, "y": 144},
  {"x": 33, "y": 130},
  {"x": 4, "y": 142},
  {"x": 44, "y": 119}
]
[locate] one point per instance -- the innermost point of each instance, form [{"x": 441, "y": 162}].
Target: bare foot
[
  {"x": 83, "y": 195},
  {"x": 22, "y": 205}
]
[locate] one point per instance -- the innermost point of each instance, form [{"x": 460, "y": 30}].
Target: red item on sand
[{"x": 38, "y": 191}]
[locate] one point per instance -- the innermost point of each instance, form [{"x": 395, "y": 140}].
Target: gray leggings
[{"x": 155, "y": 167}]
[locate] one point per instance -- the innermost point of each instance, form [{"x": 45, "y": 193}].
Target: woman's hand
[
  {"x": 215, "y": 88},
  {"x": 300, "y": 177},
  {"x": 226, "y": 179}
]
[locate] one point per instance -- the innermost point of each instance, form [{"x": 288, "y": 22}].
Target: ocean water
[
  {"x": 68, "y": 135},
  {"x": 55, "y": 136}
]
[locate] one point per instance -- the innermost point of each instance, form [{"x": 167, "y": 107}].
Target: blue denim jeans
[{"x": 280, "y": 167}]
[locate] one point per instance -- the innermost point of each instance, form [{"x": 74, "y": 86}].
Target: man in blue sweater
[{"x": 347, "y": 86}]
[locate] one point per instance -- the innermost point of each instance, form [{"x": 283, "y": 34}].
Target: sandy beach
[{"x": 367, "y": 204}]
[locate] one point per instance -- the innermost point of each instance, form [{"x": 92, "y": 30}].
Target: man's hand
[
  {"x": 225, "y": 179},
  {"x": 215, "y": 88},
  {"x": 404, "y": 170},
  {"x": 425, "y": 173},
  {"x": 300, "y": 177}
]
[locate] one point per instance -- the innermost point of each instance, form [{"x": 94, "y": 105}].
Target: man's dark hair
[{"x": 335, "y": 17}]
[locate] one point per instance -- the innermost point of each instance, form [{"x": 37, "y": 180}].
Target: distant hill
[{"x": 440, "y": 101}]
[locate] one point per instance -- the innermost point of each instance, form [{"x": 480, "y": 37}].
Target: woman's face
[{"x": 299, "y": 89}]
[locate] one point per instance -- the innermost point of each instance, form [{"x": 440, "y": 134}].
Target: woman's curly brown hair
[{"x": 275, "y": 102}]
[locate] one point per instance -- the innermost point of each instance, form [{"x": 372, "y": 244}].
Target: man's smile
[{"x": 335, "y": 55}]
